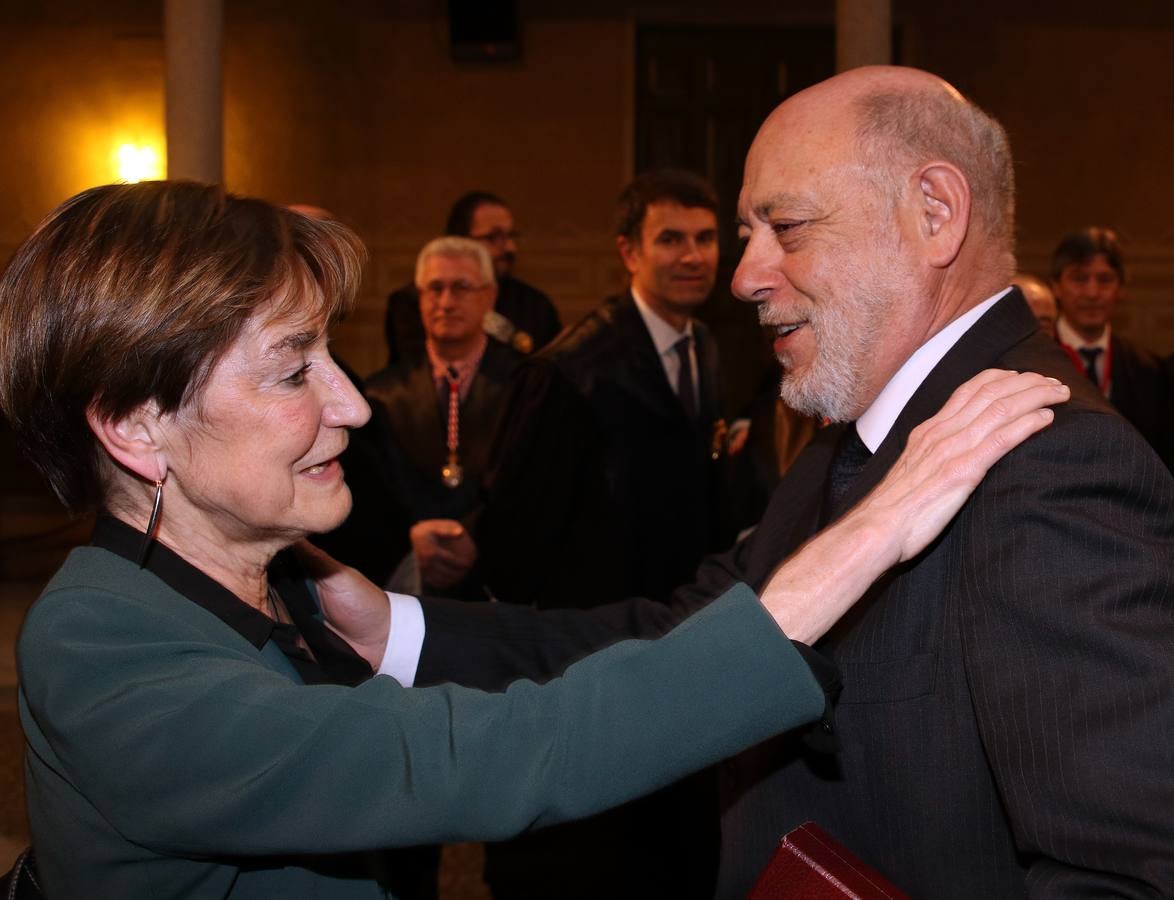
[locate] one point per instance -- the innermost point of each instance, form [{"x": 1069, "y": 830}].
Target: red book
[{"x": 810, "y": 864}]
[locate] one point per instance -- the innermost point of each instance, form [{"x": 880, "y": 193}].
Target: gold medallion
[
  {"x": 522, "y": 342},
  {"x": 451, "y": 474}
]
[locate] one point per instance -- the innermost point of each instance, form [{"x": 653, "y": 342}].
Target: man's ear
[
  {"x": 629, "y": 253},
  {"x": 133, "y": 441},
  {"x": 942, "y": 206}
]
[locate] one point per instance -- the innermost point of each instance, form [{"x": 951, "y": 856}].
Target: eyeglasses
[
  {"x": 498, "y": 236},
  {"x": 434, "y": 290}
]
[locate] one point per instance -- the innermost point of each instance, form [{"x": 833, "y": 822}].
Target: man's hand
[
  {"x": 738, "y": 436},
  {"x": 444, "y": 552},
  {"x": 355, "y": 608}
]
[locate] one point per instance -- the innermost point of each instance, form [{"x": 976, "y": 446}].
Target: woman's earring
[{"x": 152, "y": 522}]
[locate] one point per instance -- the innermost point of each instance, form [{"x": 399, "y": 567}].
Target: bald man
[
  {"x": 1041, "y": 300},
  {"x": 1005, "y": 724}
]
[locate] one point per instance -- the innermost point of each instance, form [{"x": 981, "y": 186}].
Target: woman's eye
[{"x": 299, "y": 377}]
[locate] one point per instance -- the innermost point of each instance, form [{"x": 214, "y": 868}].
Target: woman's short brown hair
[{"x": 131, "y": 293}]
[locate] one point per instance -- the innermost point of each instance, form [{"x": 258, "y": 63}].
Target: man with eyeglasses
[
  {"x": 473, "y": 479},
  {"x": 522, "y": 316}
]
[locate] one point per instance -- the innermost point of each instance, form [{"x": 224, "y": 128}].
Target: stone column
[
  {"x": 864, "y": 33},
  {"x": 194, "y": 94}
]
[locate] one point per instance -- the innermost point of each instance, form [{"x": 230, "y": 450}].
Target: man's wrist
[{"x": 405, "y": 638}]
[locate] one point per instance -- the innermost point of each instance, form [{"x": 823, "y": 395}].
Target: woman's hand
[
  {"x": 945, "y": 459},
  {"x": 355, "y": 608},
  {"x": 949, "y": 454}
]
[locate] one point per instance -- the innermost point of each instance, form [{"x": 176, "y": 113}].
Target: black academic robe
[
  {"x": 661, "y": 485},
  {"x": 532, "y": 494},
  {"x": 1141, "y": 389},
  {"x": 662, "y": 473}
]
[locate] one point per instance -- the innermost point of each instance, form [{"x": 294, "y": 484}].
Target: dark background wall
[{"x": 357, "y": 106}]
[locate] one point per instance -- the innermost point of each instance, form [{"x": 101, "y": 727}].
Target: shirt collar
[
  {"x": 177, "y": 573},
  {"x": 334, "y": 661},
  {"x": 1068, "y": 335},
  {"x": 876, "y": 421},
  {"x": 466, "y": 366},
  {"x": 663, "y": 335}
]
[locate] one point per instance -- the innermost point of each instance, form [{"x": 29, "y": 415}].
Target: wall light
[{"x": 138, "y": 163}]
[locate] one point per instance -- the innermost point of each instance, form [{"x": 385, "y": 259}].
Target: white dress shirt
[
  {"x": 664, "y": 338},
  {"x": 874, "y": 424},
  {"x": 1070, "y": 338}
]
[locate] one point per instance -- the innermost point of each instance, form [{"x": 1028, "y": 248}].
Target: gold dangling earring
[{"x": 152, "y": 522}]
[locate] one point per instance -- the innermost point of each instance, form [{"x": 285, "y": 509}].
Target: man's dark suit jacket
[
  {"x": 661, "y": 474},
  {"x": 1008, "y": 696},
  {"x": 1141, "y": 389},
  {"x": 527, "y": 308},
  {"x": 393, "y": 464},
  {"x": 532, "y": 496}
]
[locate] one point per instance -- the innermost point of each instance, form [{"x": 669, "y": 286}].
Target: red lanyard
[{"x": 452, "y": 473}]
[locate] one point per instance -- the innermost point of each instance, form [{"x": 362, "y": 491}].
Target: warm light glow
[{"x": 138, "y": 164}]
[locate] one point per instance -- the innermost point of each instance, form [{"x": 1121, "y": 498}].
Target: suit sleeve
[
  {"x": 490, "y": 645},
  {"x": 1068, "y": 641},
  {"x": 188, "y": 744}
]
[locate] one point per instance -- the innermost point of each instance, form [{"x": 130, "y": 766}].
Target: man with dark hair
[
  {"x": 651, "y": 375},
  {"x": 522, "y": 316},
  {"x": 649, "y": 372},
  {"x": 1088, "y": 278}
]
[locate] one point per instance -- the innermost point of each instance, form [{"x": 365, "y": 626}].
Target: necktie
[
  {"x": 685, "y": 377},
  {"x": 1090, "y": 355},
  {"x": 849, "y": 459}
]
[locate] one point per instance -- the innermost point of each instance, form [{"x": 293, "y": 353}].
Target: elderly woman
[{"x": 194, "y": 727}]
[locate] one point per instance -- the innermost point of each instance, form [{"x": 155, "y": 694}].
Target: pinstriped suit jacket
[{"x": 1006, "y": 726}]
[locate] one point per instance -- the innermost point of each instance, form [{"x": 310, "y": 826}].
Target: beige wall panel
[
  {"x": 1090, "y": 114},
  {"x": 72, "y": 96},
  {"x": 374, "y": 121},
  {"x": 355, "y": 108}
]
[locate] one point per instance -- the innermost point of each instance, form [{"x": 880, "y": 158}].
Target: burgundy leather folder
[{"x": 812, "y": 865}]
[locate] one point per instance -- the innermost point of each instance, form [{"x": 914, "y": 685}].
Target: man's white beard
[{"x": 846, "y": 335}]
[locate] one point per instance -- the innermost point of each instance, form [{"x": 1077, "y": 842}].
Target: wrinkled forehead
[
  {"x": 440, "y": 265},
  {"x": 797, "y": 150}
]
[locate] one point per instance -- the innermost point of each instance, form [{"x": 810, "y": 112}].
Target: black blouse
[{"x": 331, "y": 660}]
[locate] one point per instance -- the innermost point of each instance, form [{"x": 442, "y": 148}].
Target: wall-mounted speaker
[{"x": 484, "y": 30}]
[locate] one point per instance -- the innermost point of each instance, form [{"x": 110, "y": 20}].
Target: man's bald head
[
  {"x": 877, "y": 207},
  {"x": 893, "y": 120},
  {"x": 905, "y": 122}
]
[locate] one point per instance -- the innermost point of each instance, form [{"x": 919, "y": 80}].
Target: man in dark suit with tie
[
  {"x": 650, "y": 373},
  {"x": 1004, "y": 728},
  {"x": 450, "y": 473},
  {"x": 1088, "y": 278}
]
